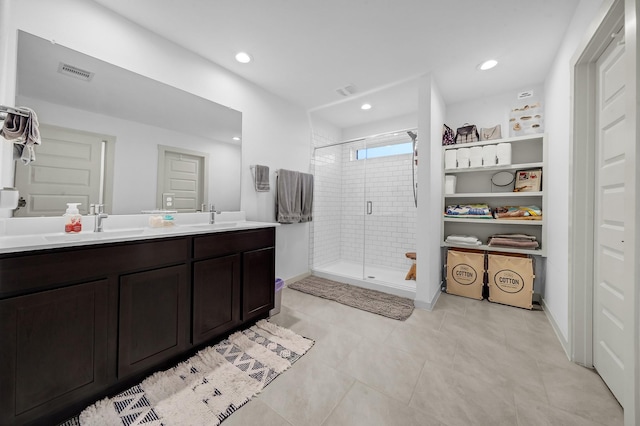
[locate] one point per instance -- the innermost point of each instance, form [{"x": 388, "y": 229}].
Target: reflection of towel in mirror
[
  {"x": 306, "y": 188},
  {"x": 261, "y": 178},
  {"x": 24, "y": 133},
  {"x": 288, "y": 194}
]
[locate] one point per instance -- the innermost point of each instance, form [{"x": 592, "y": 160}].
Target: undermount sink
[{"x": 89, "y": 236}]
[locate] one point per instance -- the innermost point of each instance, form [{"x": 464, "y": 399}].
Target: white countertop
[{"x": 15, "y": 243}]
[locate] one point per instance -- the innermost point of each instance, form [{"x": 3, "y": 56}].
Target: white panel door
[
  {"x": 183, "y": 176},
  {"x": 67, "y": 169},
  {"x": 610, "y": 287}
]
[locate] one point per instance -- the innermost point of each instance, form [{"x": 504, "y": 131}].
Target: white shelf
[
  {"x": 495, "y": 221},
  {"x": 537, "y": 252},
  {"x": 528, "y": 152},
  {"x": 526, "y": 138},
  {"x": 496, "y": 168},
  {"x": 494, "y": 195}
]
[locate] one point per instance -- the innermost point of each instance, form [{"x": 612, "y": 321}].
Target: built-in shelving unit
[{"x": 474, "y": 185}]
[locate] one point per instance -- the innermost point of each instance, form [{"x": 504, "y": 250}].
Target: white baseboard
[
  {"x": 296, "y": 278},
  {"x": 427, "y": 306},
  {"x": 563, "y": 342}
]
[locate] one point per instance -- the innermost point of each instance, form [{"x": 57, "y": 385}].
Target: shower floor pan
[{"x": 388, "y": 280}]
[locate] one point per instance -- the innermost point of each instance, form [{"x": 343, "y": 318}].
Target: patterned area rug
[
  {"x": 208, "y": 387},
  {"x": 388, "y": 305}
]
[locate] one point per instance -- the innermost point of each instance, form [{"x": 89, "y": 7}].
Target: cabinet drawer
[
  {"x": 22, "y": 273},
  {"x": 225, "y": 243}
]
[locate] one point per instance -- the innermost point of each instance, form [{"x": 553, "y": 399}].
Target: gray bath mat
[{"x": 388, "y": 305}]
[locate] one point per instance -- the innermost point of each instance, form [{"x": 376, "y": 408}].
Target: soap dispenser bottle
[{"x": 73, "y": 218}]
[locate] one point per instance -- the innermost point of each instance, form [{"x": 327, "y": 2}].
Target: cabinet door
[
  {"x": 258, "y": 282},
  {"x": 216, "y": 297},
  {"x": 53, "y": 350},
  {"x": 154, "y": 308}
]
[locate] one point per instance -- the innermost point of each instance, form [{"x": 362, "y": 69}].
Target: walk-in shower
[{"x": 364, "y": 211}]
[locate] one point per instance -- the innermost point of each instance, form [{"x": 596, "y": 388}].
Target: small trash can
[{"x": 277, "y": 298}]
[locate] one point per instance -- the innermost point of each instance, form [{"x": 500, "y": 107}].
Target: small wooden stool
[{"x": 411, "y": 275}]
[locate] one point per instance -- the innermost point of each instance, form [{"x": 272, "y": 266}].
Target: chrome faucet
[
  {"x": 212, "y": 214},
  {"x": 97, "y": 210}
]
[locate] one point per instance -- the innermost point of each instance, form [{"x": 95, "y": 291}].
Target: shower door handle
[{"x": 369, "y": 207}]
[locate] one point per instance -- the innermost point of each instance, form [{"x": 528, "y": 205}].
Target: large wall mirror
[{"x": 115, "y": 137}]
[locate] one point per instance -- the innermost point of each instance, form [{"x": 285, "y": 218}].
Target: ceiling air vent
[
  {"x": 75, "y": 72},
  {"x": 347, "y": 90}
]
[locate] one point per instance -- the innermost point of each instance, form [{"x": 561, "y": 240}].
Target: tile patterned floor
[{"x": 465, "y": 363}]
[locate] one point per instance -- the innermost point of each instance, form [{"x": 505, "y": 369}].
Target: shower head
[{"x": 412, "y": 135}]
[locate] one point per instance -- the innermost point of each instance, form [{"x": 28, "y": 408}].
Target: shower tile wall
[
  {"x": 340, "y": 206},
  {"x": 390, "y": 229},
  {"x": 325, "y": 227}
]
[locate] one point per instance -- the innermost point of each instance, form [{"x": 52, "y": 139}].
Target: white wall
[
  {"x": 557, "y": 111},
  {"x": 275, "y": 132},
  {"x": 491, "y": 110},
  {"x": 403, "y": 122},
  {"x": 431, "y": 115}
]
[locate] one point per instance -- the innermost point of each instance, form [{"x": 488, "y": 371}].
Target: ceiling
[{"x": 303, "y": 50}]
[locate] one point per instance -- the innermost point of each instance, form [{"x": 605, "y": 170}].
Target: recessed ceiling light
[
  {"x": 243, "y": 57},
  {"x": 487, "y": 65},
  {"x": 365, "y": 106},
  {"x": 235, "y": 138}
]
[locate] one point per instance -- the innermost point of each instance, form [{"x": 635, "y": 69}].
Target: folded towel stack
[
  {"x": 489, "y": 155},
  {"x": 450, "y": 159},
  {"x": 475, "y": 156},
  {"x": 503, "y": 153},
  {"x": 518, "y": 212},
  {"x": 463, "y": 155},
  {"x": 513, "y": 240},
  {"x": 475, "y": 211},
  {"x": 469, "y": 240}
]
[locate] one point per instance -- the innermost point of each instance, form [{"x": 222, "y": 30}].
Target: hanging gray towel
[
  {"x": 288, "y": 196},
  {"x": 261, "y": 178},
  {"x": 306, "y": 188},
  {"x": 24, "y": 133}
]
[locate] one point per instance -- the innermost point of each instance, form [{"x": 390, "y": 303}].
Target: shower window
[{"x": 384, "y": 151}]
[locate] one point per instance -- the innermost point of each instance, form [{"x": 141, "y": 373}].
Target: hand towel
[
  {"x": 450, "y": 159},
  {"x": 261, "y": 178},
  {"x": 489, "y": 155},
  {"x": 289, "y": 197},
  {"x": 306, "y": 188},
  {"x": 24, "y": 133}
]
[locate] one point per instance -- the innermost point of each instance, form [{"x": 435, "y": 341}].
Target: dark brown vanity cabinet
[
  {"x": 53, "y": 350},
  {"x": 81, "y": 323},
  {"x": 153, "y": 318},
  {"x": 216, "y": 297},
  {"x": 258, "y": 276}
]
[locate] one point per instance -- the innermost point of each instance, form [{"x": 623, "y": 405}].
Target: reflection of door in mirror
[
  {"x": 72, "y": 167},
  {"x": 183, "y": 174}
]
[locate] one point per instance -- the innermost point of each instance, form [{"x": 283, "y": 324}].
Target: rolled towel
[
  {"x": 450, "y": 184},
  {"x": 475, "y": 152},
  {"x": 450, "y": 159},
  {"x": 503, "y": 153},
  {"x": 463, "y": 155},
  {"x": 489, "y": 155},
  {"x": 475, "y": 158}
]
